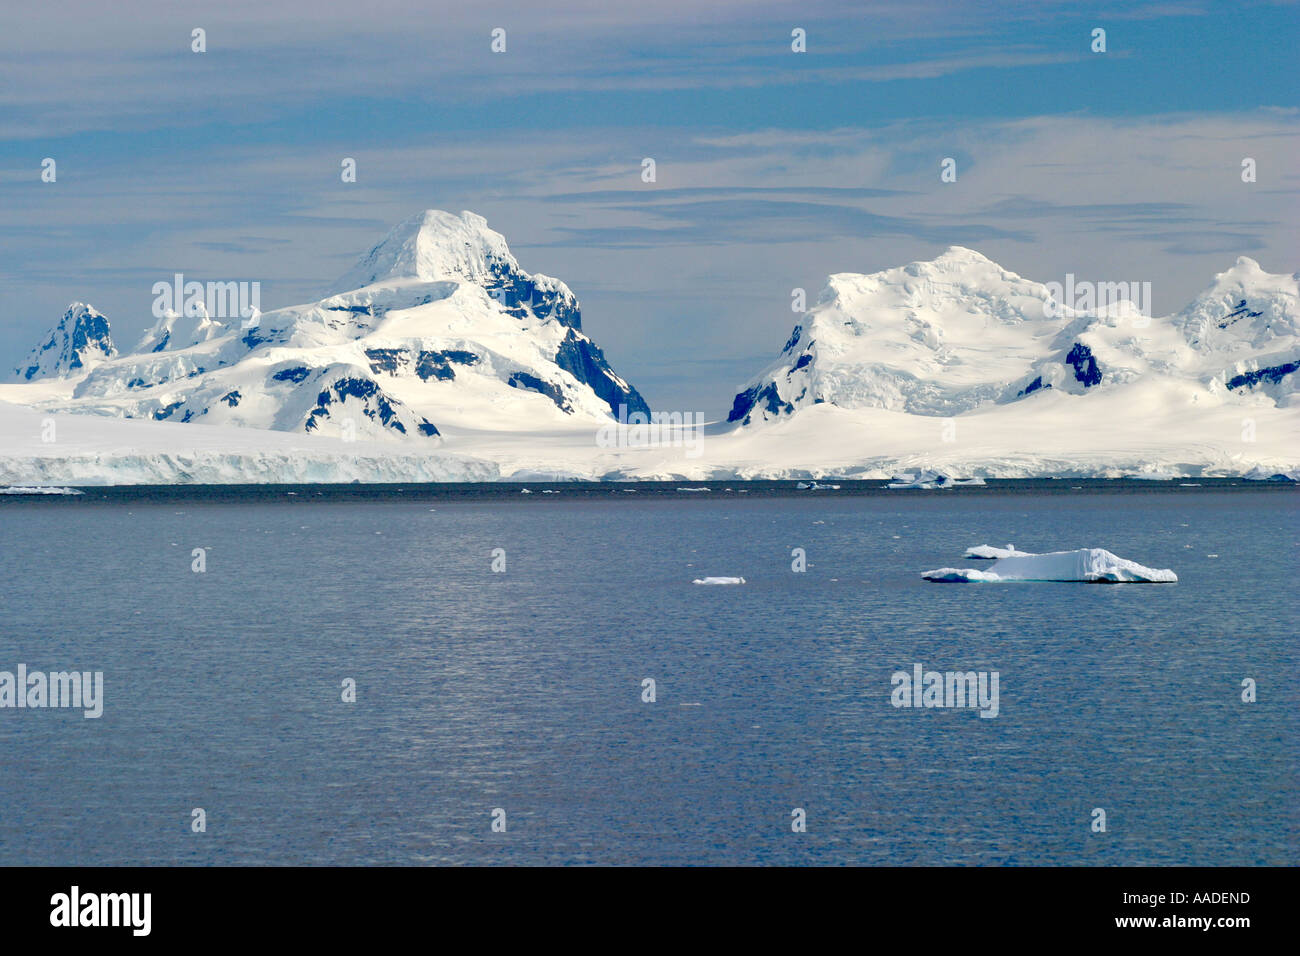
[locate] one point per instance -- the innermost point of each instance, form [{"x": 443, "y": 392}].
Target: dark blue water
[{"x": 522, "y": 690}]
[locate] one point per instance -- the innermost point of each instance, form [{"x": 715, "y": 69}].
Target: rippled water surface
[{"x": 523, "y": 690}]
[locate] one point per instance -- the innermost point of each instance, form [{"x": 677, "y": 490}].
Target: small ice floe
[
  {"x": 38, "y": 490},
  {"x": 718, "y": 581},
  {"x": 524, "y": 491},
  {"x": 984, "y": 552},
  {"x": 1155, "y": 474},
  {"x": 816, "y": 486},
  {"x": 927, "y": 480},
  {"x": 1088, "y": 565},
  {"x": 693, "y": 489}
]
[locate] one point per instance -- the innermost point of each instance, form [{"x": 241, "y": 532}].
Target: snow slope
[{"x": 436, "y": 325}]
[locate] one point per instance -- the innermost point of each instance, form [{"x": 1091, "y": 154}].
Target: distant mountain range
[
  {"x": 946, "y": 337},
  {"x": 438, "y": 321},
  {"x": 438, "y": 339}
]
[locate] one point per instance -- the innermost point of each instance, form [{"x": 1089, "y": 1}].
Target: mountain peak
[
  {"x": 429, "y": 246},
  {"x": 1243, "y": 307},
  {"x": 956, "y": 263},
  {"x": 962, "y": 254},
  {"x": 78, "y": 340}
]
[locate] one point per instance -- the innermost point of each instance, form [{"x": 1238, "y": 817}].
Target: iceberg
[
  {"x": 928, "y": 480},
  {"x": 718, "y": 581},
  {"x": 816, "y": 486},
  {"x": 1088, "y": 565},
  {"x": 985, "y": 552},
  {"x": 38, "y": 490}
]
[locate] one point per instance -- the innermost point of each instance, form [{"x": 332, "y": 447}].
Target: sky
[{"x": 774, "y": 169}]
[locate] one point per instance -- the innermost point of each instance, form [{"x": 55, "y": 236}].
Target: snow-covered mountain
[
  {"x": 176, "y": 332},
  {"x": 438, "y": 324},
  {"x": 79, "y": 341},
  {"x": 961, "y": 333},
  {"x": 437, "y": 339}
]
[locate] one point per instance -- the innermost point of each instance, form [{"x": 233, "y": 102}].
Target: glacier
[{"x": 87, "y": 450}]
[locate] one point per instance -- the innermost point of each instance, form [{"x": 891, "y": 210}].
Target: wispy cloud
[{"x": 773, "y": 168}]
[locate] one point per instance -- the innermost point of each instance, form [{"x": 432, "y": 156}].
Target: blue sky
[{"x": 774, "y": 168}]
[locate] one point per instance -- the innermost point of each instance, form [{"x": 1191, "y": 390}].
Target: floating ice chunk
[
  {"x": 718, "y": 581},
  {"x": 927, "y": 480},
  {"x": 816, "y": 486},
  {"x": 1089, "y": 565},
  {"x": 694, "y": 489},
  {"x": 1155, "y": 475},
  {"x": 959, "y": 576},
  {"x": 986, "y": 552},
  {"x": 38, "y": 490}
]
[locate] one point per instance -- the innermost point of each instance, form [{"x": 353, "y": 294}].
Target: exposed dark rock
[
  {"x": 1084, "y": 364},
  {"x": 1032, "y": 387},
  {"x": 747, "y": 400},
  {"x": 1273, "y": 374},
  {"x": 582, "y": 359},
  {"x": 534, "y": 384}
]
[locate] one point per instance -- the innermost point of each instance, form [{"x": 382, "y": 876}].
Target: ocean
[{"x": 498, "y": 647}]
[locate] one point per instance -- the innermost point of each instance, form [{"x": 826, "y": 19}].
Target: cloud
[
  {"x": 774, "y": 169},
  {"x": 730, "y": 221}
]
